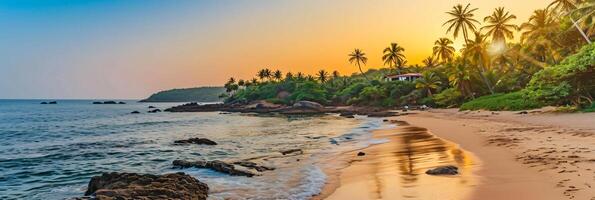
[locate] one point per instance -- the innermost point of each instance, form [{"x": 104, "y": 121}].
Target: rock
[
  {"x": 109, "y": 102},
  {"x": 347, "y": 114},
  {"x": 308, "y": 105},
  {"x": 216, "y": 165},
  {"x": 121, "y": 102},
  {"x": 97, "y": 102},
  {"x": 361, "y": 154},
  {"x": 195, "y": 107},
  {"x": 381, "y": 114},
  {"x": 290, "y": 151},
  {"x": 253, "y": 165},
  {"x": 444, "y": 170},
  {"x": 44, "y": 102},
  {"x": 146, "y": 186},
  {"x": 204, "y": 141},
  {"x": 151, "y": 107},
  {"x": 52, "y": 102},
  {"x": 523, "y": 112},
  {"x": 135, "y": 112},
  {"x": 154, "y": 111}
]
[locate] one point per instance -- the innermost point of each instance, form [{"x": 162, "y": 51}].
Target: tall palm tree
[
  {"x": 476, "y": 50},
  {"x": 336, "y": 74},
  {"x": 459, "y": 76},
  {"x": 499, "y": 26},
  {"x": 461, "y": 21},
  {"x": 393, "y": 54},
  {"x": 359, "y": 58},
  {"x": 565, "y": 7},
  {"x": 268, "y": 74},
  {"x": 322, "y": 75},
  {"x": 241, "y": 82},
  {"x": 261, "y": 74},
  {"x": 443, "y": 49},
  {"x": 538, "y": 33},
  {"x": 430, "y": 62},
  {"x": 428, "y": 82},
  {"x": 278, "y": 75},
  {"x": 300, "y": 75},
  {"x": 289, "y": 76},
  {"x": 586, "y": 14}
]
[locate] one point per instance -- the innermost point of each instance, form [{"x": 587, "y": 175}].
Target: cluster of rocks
[
  {"x": 108, "y": 102},
  {"x": 152, "y": 109},
  {"x": 204, "y": 141},
  {"x": 145, "y": 186},
  {"x": 49, "y": 102},
  {"x": 241, "y": 168}
]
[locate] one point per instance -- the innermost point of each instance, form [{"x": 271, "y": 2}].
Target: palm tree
[
  {"x": 565, "y": 7},
  {"x": 476, "y": 50},
  {"x": 322, "y": 75},
  {"x": 231, "y": 80},
  {"x": 278, "y": 75},
  {"x": 538, "y": 33},
  {"x": 268, "y": 74},
  {"x": 336, "y": 74},
  {"x": 359, "y": 58},
  {"x": 401, "y": 64},
  {"x": 428, "y": 82},
  {"x": 587, "y": 12},
  {"x": 459, "y": 76},
  {"x": 430, "y": 62},
  {"x": 261, "y": 74},
  {"x": 288, "y": 76},
  {"x": 300, "y": 75},
  {"x": 462, "y": 21},
  {"x": 393, "y": 54},
  {"x": 241, "y": 82},
  {"x": 499, "y": 26},
  {"x": 443, "y": 49},
  {"x": 254, "y": 81}
]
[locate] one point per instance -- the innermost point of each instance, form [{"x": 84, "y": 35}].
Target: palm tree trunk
[
  {"x": 575, "y": 23},
  {"x": 362, "y": 71}
]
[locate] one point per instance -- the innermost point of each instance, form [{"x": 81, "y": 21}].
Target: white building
[{"x": 403, "y": 77}]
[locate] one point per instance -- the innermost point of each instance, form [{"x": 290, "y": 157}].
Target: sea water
[{"x": 50, "y": 151}]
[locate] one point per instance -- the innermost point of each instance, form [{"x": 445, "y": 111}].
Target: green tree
[
  {"x": 476, "y": 50},
  {"x": 430, "y": 62},
  {"x": 322, "y": 76},
  {"x": 428, "y": 82},
  {"x": 393, "y": 55},
  {"x": 359, "y": 58},
  {"x": 566, "y": 7},
  {"x": 462, "y": 21},
  {"x": 278, "y": 75},
  {"x": 443, "y": 50},
  {"x": 499, "y": 25}
]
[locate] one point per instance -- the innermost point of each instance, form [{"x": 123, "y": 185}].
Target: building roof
[{"x": 403, "y": 75}]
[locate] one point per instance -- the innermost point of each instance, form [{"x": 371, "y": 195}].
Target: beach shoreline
[{"x": 519, "y": 158}]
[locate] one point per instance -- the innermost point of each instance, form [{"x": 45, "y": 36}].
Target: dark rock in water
[
  {"x": 135, "y": 112},
  {"x": 146, "y": 186},
  {"x": 216, "y": 165},
  {"x": 347, "y": 114},
  {"x": 381, "y": 114},
  {"x": 333, "y": 141},
  {"x": 151, "y": 106},
  {"x": 444, "y": 170},
  {"x": 290, "y": 151},
  {"x": 523, "y": 113},
  {"x": 204, "y": 141},
  {"x": 121, "y": 102},
  {"x": 361, "y": 154},
  {"x": 97, "y": 102},
  {"x": 253, "y": 165},
  {"x": 52, "y": 102},
  {"x": 155, "y": 111},
  {"x": 195, "y": 107},
  {"x": 44, "y": 102},
  {"x": 308, "y": 105},
  {"x": 385, "y": 120},
  {"x": 109, "y": 102}
]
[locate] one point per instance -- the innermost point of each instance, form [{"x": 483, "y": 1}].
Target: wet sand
[{"x": 504, "y": 156}]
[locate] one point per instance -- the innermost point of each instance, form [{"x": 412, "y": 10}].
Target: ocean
[{"x": 50, "y": 151}]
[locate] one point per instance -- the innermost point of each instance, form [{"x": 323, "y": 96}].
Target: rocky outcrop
[
  {"x": 195, "y": 107},
  {"x": 444, "y": 170},
  {"x": 52, "y": 102},
  {"x": 253, "y": 165},
  {"x": 109, "y": 102},
  {"x": 308, "y": 105},
  {"x": 97, "y": 102},
  {"x": 121, "y": 102},
  {"x": 155, "y": 111},
  {"x": 110, "y": 186},
  {"x": 204, "y": 141},
  {"x": 216, "y": 165},
  {"x": 43, "y": 102}
]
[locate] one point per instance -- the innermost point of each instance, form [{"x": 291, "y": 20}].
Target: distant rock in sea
[
  {"x": 155, "y": 111},
  {"x": 121, "y": 102},
  {"x": 204, "y": 141},
  {"x": 135, "y": 112},
  {"x": 44, "y": 102},
  {"x": 109, "y": 102},
  {"x": 52, "y": 102}
]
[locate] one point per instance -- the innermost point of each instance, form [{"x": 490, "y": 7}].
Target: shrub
[
  {"x": 590, "y": 108},
  {"x": 448, "y": 98},
  {"x": 510, "y": 101},
  {"x": 571, "y": 81}
]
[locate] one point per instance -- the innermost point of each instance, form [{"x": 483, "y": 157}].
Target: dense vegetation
[
  {"x": 552, "y": 64},
  {"x": 199, "y": 94}
]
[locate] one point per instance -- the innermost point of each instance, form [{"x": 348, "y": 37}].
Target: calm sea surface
[{"x": 51, "y": 151}]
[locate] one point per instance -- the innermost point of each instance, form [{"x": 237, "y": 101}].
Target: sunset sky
[{"x": 130, "y": 49}]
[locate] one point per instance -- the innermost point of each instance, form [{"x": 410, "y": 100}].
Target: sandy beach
[{"x": 501, "y": 155}]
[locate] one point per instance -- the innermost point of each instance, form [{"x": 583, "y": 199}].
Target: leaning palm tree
[
  {"x": 322, "y": 75},
  {"x": 565, "y": 7},
  {"x": 428, "y": 82},
  {"x": 443, "y": 49},
  {"x": 278, "y": 75},
  {"x": 476, "y": 50},
  {"x": 499, "y": 26},
  {"x": 461, "y": 21},
  {"x": 430, "y": 62},
  {"x": 586, "y": 14},
  {"x": 393, "y": 54},
  {"x": 358, "y": 57}
]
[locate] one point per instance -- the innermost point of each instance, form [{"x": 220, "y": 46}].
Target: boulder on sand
[
  {"x": 204, "y": 141},
  {"x": 308, "y": 105},
  {"x": 444, "y": 170},
  {"x": 146, "y": 186}
]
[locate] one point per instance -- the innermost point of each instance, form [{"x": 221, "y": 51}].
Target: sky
[{"x": 130, "y": 49}]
